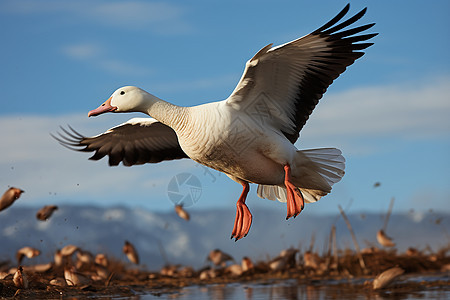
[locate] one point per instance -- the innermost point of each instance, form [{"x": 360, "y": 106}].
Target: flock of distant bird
[
  {"x": 62, "y": 258},
  {"x": 97, "y": 265},
  {"x": 78, "y": 267},
  {"x": 74, "y": 266},
  {"x": 12, "y": 194},
  {"x": 81, "y": 268}
]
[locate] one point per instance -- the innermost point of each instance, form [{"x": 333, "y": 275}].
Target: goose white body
[{"x": 250, "y": 135}]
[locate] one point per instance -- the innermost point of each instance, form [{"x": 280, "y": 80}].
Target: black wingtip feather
[
  {"x": 76, "y": 132},
  {"x": 62, "y": 143},
  {"x": 359, "y": 38},
  {"x": 75, "y": 135},
  {"x": 343, "y": 48},
  {"x": 139, "y": 151},
  {"x": 333, "y": 21},
  {"x": 346, "y": 23},
  {"x": 352, "y": 31},
  {"x": 66, "y": 142},
  {"x": 361, "y": 46}
]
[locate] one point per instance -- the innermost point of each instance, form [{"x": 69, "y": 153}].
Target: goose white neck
[{"x": 167, "y": 113}]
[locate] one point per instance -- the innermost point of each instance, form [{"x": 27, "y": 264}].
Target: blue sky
[{"x": 388, "y": 112}]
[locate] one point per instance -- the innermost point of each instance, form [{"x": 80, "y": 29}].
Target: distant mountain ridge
[{"x": 100, "y": 229}]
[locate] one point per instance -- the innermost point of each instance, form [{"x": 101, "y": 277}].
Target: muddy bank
[{"x": 421, "y": 272}]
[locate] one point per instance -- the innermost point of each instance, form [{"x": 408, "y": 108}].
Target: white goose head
[{"x": 125, "y": 99}]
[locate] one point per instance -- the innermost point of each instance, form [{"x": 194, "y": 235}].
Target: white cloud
[
  {"x": 157, "y": 17},
  {"x": 96, "y": 55},
  {"x": 38, "y": 7},
  {"x": 149, "y": 17},
  {"x": 410, "y": 111},
  {"x": 121, "y": 67},
  {"x": 197, "y": 84},
  {"x": 83, "y": 51}
]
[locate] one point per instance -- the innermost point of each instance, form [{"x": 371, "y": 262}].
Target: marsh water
[{"x": 419, "y": 287}]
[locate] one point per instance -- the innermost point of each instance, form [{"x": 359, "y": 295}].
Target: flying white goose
[{"x": 250, "y": 135}]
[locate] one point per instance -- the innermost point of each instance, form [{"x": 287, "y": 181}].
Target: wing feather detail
[
  {"x": 135, "y": 142},
  {"x": 289, "y": 80}
]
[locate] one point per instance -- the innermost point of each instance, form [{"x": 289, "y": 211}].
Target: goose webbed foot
[
  {"x": 243, "y": 219},
  {"x": 295, "y": 201}
]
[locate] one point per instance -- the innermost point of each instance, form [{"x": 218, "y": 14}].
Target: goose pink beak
[{"x": 105, "y": 107}]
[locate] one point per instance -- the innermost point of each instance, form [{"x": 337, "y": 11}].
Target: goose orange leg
[
  {"x": 295, "y": 201},
  {"x": 243, "y": 219}
]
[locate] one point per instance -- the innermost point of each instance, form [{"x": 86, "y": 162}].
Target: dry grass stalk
[
  {"x": 355, "y": 242},
  {"x": 312, "y": 242},
  {"x": 391, "y": 205},
  {"x": 335, "y": 250}
]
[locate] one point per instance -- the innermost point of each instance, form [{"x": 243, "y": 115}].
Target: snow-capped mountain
[{"x": 165, "y": 238}]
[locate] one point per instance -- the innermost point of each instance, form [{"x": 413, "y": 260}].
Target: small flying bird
[
  {"x": 58, "y": 258},
  {"x": 73, "y": 277},
  {"x": 387, "y": 277},
  {"x": 412, "y": 252},
  {"x": 208, "y": 274},
  {"x": 168, "y": 270},
  {"x": 102, "y": 272},
  {"x": 69, "y": 250},
  {"x": 285, "y": 260},
  {"x": 311, "y": 260},
  {"x": 384, "y": 240},
  {"x": 38, "y": 268},
  {"x": 8, "y": 198},
  {"x": 445, "y": 268},
  {"x": 131, "y": 252},
  {"x": 234, "y": 270},
  {"x": 290, "y": 256},
  {"x": 251, "y": 135},
  {"x": 278, "y": 264},
  {"x": 20, "y": 279},
  {"x": 247, "y": 264},
  {"x": 84, "y": 258},
  {"x": 102, "y": 260},
  {"x": 58, "y": 282},
  {"x": 218, "y": 257},
  {"x": 46, "y": 212},
  {"x": 29, "y": 252},
  {"x": 181, "y": 212},
  {"x": 186, "y": 271}
]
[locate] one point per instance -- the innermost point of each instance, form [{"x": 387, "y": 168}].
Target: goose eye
[{"x": 122, "y": 93}]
